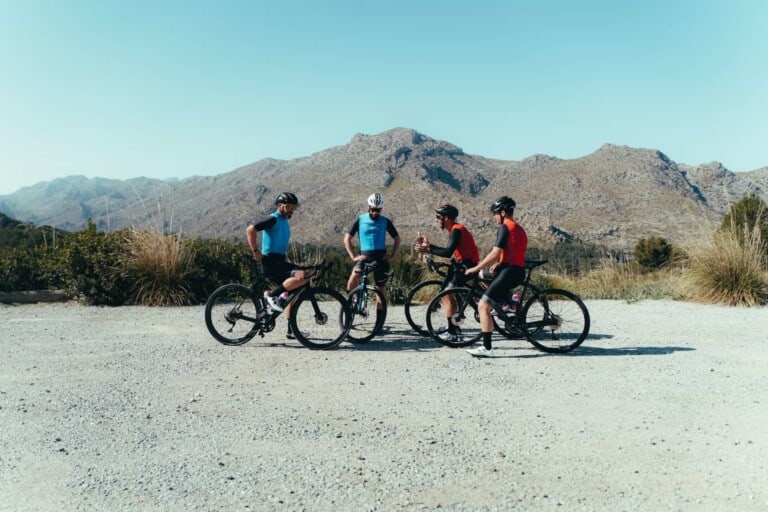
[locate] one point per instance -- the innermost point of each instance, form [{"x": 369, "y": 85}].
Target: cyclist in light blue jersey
[
  {"x": 371, "y": 229},
  {"x": 275, "y": 236}
]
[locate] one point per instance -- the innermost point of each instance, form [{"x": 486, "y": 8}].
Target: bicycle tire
[
  {"x": 230, "y": 314},
  {"x": 317, "y": 318},
  {"x": 417, "y": 302},
  {"x": 563, "y": 317},
  {"x": 363, "y": 326},
  {"x": 467, "y": 319}
]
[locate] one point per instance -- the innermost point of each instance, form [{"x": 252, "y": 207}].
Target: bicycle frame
[{"x": 513, "y": 320}]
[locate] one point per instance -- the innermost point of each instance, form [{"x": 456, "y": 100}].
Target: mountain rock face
[{"x": 613, "y": 196}]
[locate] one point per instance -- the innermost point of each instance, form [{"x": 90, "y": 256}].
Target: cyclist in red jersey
[
  {"x": 461, "y": 245},
  {"x": 507, "y": 262}
]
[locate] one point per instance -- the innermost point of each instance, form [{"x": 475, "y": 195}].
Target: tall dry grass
[
  {"x": 159, "y": 266},
  {"x": 620, "y": 280},
  {"x": 729, "y": 267}
]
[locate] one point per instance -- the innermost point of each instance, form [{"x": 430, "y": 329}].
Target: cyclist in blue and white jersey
[
  {"x": 372, "y": 229},
  {"x": 275, "y": 236}
]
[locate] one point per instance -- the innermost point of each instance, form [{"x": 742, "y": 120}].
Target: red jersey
[
  {"x": 467, "y": 249},
  {"x": 516, "y": 243}
]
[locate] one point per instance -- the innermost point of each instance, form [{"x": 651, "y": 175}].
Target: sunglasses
[
  {"x": 439, "y": 217},
  {"x": 374, "y": 210},
  {"x": 290, "y": 207}
]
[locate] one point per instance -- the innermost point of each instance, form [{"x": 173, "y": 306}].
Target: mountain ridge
[{"x": 613, "y": 196}]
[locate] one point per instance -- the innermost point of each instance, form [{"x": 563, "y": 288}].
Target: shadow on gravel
[
  {"x": 627, "y": 351},
  {"x": 395, "y": 338}
]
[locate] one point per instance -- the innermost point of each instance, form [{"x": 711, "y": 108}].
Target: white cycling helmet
[{"x": 375, "y": 201}]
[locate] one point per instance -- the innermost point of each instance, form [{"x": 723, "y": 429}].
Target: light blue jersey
[{"x": 274, "y": 240}]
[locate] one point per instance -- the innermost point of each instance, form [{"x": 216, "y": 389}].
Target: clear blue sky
[{"x": 119, "y": 89}]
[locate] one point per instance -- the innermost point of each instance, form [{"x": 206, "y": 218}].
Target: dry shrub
[
  {"x": 623, "y": 281},
  {"x": 729, "y": 268},
  {"x": 159, "y": 266}
]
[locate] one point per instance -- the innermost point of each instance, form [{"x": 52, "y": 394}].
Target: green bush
[
  {"x": 217, "y": 262},
  {"x": 745, "y": 215},
  {"x": 653, "y": 252},
  {"x": 93, "y": 267}
]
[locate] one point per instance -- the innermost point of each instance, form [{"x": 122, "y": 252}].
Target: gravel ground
[{"x": 663, "y": 408}]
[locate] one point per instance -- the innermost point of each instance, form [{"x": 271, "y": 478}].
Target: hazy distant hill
[{"x": 614, "y": 196}]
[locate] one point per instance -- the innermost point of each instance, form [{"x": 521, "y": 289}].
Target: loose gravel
[{"x": 663, "y": 408}]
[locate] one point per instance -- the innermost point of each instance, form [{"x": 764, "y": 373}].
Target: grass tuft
[
  {"x": 729, "y": 268},
  {"x": 159, "y": 266}
]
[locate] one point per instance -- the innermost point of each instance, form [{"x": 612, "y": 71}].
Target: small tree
[
  {"x": 653, "y": 252},
  {"x": 745, "y": 214}
]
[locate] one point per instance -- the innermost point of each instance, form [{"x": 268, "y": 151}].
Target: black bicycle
[
  {"x": 419, "y": 297},
  {"x": 366, "y": 318},
  {"x": 235, "y": 313},
  {"x": 553, "y": 320}
]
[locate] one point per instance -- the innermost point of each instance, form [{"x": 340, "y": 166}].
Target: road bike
[
  {"x": 235, "y": 313},
  {"x": 366, "y": 318},
  {"x": 421, "y": 295},
  {"x": 552, "y": 320}
]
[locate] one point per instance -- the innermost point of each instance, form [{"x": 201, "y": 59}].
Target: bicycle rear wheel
[
  {"x": 465, "y": 320},
  {"x": 416, "y": 304},
  {"x": 318, "y": 318},
  {"x": 556, "y": 321},
  {"x": 230, "y": 314},
  {"x": 366, "y": 320}
]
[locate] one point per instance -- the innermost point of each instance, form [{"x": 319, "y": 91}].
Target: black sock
[
  {"x": 277, "y": 291},
  {"x": 487, "y": 340},
  {"x": 451, "y": 327}
]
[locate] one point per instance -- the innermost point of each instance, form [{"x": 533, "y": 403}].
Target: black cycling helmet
[
  {"x": 287, "y": 198},
  {"x": 447, "y": 210},
  {"x": 503, "y": 204}
]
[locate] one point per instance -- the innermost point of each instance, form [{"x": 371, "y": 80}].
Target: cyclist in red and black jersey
[
  {"x": 507, "y": 264},
  {"x": 461, "y": 246}
]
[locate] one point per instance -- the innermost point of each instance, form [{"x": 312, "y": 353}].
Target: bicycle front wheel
[
  {"x": 416, "y": 304},
  {"x": 230, "y": 314},
  {"x": 318, "y": 318},
  {"x": 556, "y": 321},
  {"x": 366, "y": 319},
  {"x": 452, "y": 318}
]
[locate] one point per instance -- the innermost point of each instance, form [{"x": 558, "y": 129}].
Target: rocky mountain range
[{"x": 613, "y": 196}]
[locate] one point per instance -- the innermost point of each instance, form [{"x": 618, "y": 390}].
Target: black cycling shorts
[
  {"x": 380, "y": 273},
  {"x": 506, "y": 278},
  {"x": 276, "y": 268}
]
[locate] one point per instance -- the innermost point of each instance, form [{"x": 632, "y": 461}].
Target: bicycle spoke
[
  {"x": 367, "y": 320},
  {"x": 416, "y": 304},
  {"x": 230, "y": 314},
  {"x": 556, "y": 321},
  {"x": 452, "y": 319},
  {"x": 318, "y": 318}
]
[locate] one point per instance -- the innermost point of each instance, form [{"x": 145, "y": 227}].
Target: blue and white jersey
[
  {"x": 373, "y": 232},
  {"x": 275, "y": 238}
]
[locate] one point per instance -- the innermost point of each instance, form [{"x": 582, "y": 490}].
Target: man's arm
[
  {"x": 395, "y": 247},
  {"x": 453, "y": 243},
  {"x": 251, "y": 234},
  {"x": 348, "y": 245}
]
